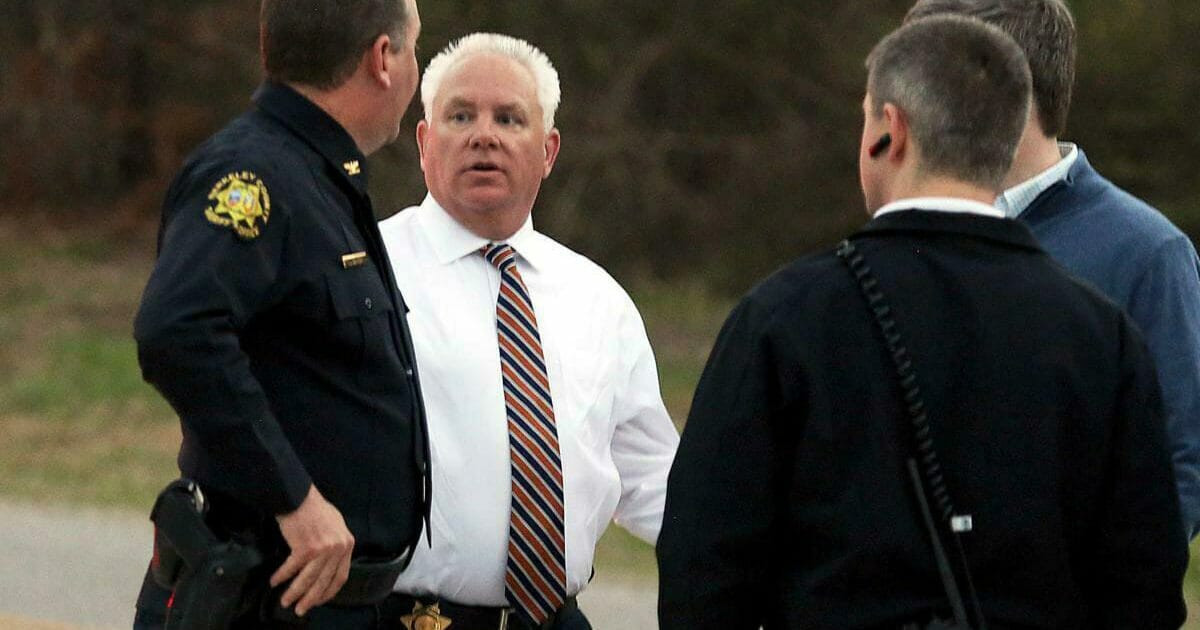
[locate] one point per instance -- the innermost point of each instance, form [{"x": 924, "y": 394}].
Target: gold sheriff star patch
[{"x": 240, "y": 201}]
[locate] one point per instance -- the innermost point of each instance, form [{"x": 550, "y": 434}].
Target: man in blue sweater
[{"x": 1102, "y": 234}]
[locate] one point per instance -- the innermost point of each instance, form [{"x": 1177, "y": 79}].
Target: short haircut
[
  {"x": 1044, "y": 29},
  {"x": 545, "y": 77},
  {"x": 319, "y": 42},
  {"x": 964, "y": 87}
]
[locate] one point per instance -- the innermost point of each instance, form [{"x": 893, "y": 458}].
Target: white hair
[{"x": 545, "y": 77}]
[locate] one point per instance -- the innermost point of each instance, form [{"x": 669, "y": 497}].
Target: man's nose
[{"x": 484, "y": 136}]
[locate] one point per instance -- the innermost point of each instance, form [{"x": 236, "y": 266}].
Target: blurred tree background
[{"x": 703, "y": 141}]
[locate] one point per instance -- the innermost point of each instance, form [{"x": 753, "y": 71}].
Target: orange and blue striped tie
[{"x": 536, "y": 578}]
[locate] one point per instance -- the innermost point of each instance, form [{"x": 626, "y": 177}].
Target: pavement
[{"x": 67, "y": 568}]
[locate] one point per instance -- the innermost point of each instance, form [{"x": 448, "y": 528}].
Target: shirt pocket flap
[{"x": 358, "y": 294}]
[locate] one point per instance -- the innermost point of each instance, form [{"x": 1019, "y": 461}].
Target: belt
[
  {"x": 371, "y": 579},
  {"x": 431, "y": 613},
  {"x": 369, "y": 584}
]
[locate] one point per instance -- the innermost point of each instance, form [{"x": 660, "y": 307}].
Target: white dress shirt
[
  {"x": 941, "y": 204},
  {"x": 615, "y": 437},
  {"x": 1015, "y": 200}
]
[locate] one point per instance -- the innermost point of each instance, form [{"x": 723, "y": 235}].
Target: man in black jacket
[
  {"x": 790, "y": 503},
  {"x": 272, "y": 323}
]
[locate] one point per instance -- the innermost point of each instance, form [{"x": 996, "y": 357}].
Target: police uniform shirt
[
  {"x": 272, "y": 325},
  {"x": 616, "y": 439}
]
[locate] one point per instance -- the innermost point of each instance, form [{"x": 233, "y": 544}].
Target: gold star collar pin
[{"x": 352, "y": 167}]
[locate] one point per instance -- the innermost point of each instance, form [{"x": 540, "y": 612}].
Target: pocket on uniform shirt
[{"x": 360, "y": 308}]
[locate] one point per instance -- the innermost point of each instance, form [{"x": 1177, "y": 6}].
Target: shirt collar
[
  {"x": 451, "y": 241},
  {"x": 316, "y": 127},
  {"x": 1015, "y": 200},
  {"x": 941, "y": 204},
  {"x": 1003, "y": 231}
]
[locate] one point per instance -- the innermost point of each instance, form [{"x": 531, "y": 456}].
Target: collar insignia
[
  {"x": 352, "y": 167},
  {"x": 239, "y": 201}
]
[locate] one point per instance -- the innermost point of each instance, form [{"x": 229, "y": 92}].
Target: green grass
[
  {"x": 83, "y": 370},
  {"x": 682, "y": 321},
  {"x": 79, "y": 425},
  {"x": 625, "y": 558}
]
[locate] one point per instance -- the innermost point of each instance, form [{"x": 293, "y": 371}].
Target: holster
[
  {"x": 207, "y": 576},
  {"x": 216, "y": 579}
]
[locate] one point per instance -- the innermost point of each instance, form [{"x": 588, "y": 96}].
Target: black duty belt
[
  {"x": 369, "y": 584},
  {"x": 371, "y": 580},
  {"x": 429, "y": 613}
]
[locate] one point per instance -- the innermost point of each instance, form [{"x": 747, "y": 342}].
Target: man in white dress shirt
[{"x": 545, "y": 416}]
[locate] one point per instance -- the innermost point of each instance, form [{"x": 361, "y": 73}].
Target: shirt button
[{"x": 368, "y": 303}]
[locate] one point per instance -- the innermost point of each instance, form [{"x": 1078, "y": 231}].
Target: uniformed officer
[{"x": 271, "y": 321}]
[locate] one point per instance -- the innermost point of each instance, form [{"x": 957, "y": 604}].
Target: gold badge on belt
[
  {"x": 425, "y": 618},
  {"x": 240, "y": 201}
]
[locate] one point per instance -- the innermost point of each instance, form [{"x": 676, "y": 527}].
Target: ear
[
  {"x": 897, "y": 123},
  {"x": 378, "y": 59},
  {"x": 553, "y": 142},
  {"x": 422, "y": 136}
]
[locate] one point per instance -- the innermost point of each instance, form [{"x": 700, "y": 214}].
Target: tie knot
[{"x": 501, "y": 255}]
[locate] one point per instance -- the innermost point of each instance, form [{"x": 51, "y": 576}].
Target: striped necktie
[{"x": 536, "y": 577}]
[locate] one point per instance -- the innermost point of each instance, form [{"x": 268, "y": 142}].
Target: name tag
[{"x": 355, "y": 259}]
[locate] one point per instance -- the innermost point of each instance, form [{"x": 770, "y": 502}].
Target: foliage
[{"x": 710, "y": 141}]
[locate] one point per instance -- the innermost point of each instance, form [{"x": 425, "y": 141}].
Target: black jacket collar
[
  {"x": 310, "y": 123},
  {"x": 1004, "y": 231}
]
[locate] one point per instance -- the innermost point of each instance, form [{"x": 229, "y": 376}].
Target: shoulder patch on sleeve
[{"x": 239, "y": 201}]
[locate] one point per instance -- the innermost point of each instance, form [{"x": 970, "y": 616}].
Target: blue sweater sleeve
[{"x": 1165, "y": 304}]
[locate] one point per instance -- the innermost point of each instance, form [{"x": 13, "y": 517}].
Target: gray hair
[
  {"x": 545, "y": 77},
  {"x": 964, "y": 87},
  {"x": 1045, "y": 31}
]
